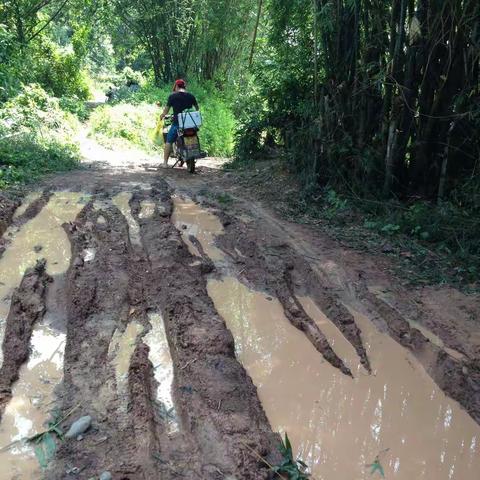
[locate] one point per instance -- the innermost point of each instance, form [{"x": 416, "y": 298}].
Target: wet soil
[{"x": 135, "y": 293}]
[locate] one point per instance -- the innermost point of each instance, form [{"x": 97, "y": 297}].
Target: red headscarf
[{"x": 179, "y": 83}]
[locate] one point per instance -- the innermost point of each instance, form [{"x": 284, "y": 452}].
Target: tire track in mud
[
  {"x": 217, "y": 401},
  {"x": 12, "y": 219},
  {"x": 275, "y": 268},
  {"x": 115, "y": 285},
  {"x": 458, "y": 377},
  {"x": 27, "y": 308},
  {"x": 104, "y": 295}
]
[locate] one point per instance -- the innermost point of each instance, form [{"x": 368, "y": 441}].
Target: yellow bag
[{"x": 157, "y": 136}]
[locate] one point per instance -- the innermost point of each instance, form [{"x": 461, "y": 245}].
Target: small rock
[
  {"x": 80, "y": 438},
  {"x": 106, "y": 476},
  {"x": 207, "y": 267},
  {"x": 37, "y": 248},
  {"x": 465, "y": 370},
  {"x": 78, "y": 427}
]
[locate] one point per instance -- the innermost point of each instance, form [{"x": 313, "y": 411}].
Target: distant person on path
[{"x": 180, "y": 100}]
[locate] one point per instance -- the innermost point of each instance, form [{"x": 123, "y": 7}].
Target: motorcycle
[{"x": 186, "y": 149}]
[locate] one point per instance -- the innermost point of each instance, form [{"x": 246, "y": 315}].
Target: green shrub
[
  {"x": 61, "y": 74},
  {"x": 135, "y": 120},
  {"x": 125, "y": 122},
  {"x": 35, "y": 137}
]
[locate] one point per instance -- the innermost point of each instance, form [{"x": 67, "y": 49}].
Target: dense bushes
[
  {"x": 36, "y": 137},
  {"x": 134, "y": 115},
  {"x": 124, "y": 122}
]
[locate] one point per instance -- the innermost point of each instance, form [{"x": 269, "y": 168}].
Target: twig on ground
[{"x": 188, "y": 363}]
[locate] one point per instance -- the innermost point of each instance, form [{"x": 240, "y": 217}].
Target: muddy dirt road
[{"x": 192, "y": 325}]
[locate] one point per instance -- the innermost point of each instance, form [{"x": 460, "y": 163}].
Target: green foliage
[
  {"x": 44, "y": 442},
  {"x": 60, "y": 72},
  {"x": 35, "y": 137},
  {"x": 135, "y": 121},
  {"x": 125, "y": 122},
  {"x": 295, "y": 469}
]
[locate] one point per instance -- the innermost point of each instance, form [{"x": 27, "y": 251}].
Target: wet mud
[
  {"x": 27, "y": 308},
  {"x": 193, "y": 337},
  {"x": 273, "y": 266},
  {"x": 327, "y": 413}
]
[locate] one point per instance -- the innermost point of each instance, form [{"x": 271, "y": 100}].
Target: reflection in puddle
[
  {"x": 200, "y": 223},
  {"x": 339, "y": 424},
  {"x": 122, "y": 347},
  {"x": 382, "y": 294},
  {"x": 27, "y": 201},
  {"x": 147, "y": 209},
  {"x": 89, "y": 254},
  {"x": 44, "y": 230},
  {"x": 121, "y": 201},
  {"x": 160, "y": 357},
  {"x": 32, "y": 399}
]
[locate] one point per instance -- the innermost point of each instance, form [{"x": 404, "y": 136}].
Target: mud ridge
[
  {"x": 459, "y": 379},
  {"x": 7, "y": 210},
  {"x": 277, "y": 269},
  {"x": 216, "y": 399},
  {"x": 27, "y": 307},
  {"x": 98, "y": 305}
]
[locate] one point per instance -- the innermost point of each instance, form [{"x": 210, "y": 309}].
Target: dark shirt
[{"x": 181, "y": 101}]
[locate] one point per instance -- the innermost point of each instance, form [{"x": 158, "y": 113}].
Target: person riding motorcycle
[{"x": 180, "y": 100}]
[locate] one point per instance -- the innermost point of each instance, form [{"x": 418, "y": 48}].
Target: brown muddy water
[
  {"x": 191, "y": 219},
  {"x": 161, "y": 359},
  {"x": 32, "y": 398},
  {"x": 33, "y": 394},
  {"x": 121, "y": 349},
  {"x": 41, "y": 237},
  {"x": 147, "y": 209},
  {"x": 122, "y": 202},
  {"x": 337, "y": 424}
]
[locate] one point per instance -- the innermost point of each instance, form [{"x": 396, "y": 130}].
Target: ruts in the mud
[{"x": 219, "y": 411}]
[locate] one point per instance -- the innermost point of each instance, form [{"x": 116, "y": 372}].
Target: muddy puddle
[
  {"x": 122, "y": 202},
  {"x": 337, "y": 424},
  {"x": 193, "y": 220},
  {"x": 161, "y": 359},
  {"x": 32, "y": 399},
  {"x": 121, "y": 349},
  {"x": 41, "y": 237},
  {"x": 27, "y": 201}
]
